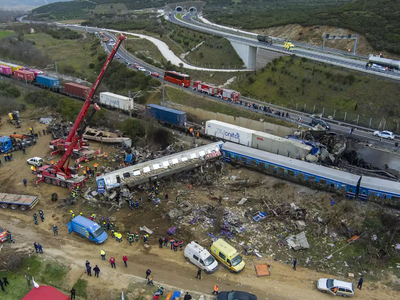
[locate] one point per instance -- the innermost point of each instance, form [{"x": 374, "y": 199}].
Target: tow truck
[{"x": 61, "y": 174}]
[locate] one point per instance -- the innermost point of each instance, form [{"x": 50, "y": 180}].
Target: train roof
[
  {"x": 231, "y": 126},
  {"x": 282, "y": 140},
  {"x": 177, "y": 73},
  {"x": 47, "y": 77},
  {"x": 381, "y": 185},
  {"x": 294, "y": 164}
]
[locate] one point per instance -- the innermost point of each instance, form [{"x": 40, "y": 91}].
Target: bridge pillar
[{"x": 246, "y": 52}]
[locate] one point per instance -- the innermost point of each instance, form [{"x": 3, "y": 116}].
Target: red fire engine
[{"x": 207, "y": 88}]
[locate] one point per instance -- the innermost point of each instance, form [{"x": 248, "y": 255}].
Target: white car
[
  {"x": 142, "y": 69},
  {"x": 335, "y": 287},
  {"x": 384, "y": 134},
  {"x": 35, "y": 161}
]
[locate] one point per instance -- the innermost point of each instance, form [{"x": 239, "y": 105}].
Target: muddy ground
[{"x": 170, "y": 267}]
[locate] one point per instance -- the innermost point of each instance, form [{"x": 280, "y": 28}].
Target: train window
[
  {"x": 291, "y": 172},
  {"x": 371, "y": 193},
  {"x": 322, "y": 181},
  {"x": 343, "y": 188},
  {"x": 332, "y": 185},
  {"x": 394, "y": 198},
  {"x": 364, "y": 192},
  {"x": 271, "y": 168},
  {"x": 244, "y": 159},
  {"x": 383, "y": 196},
  {"x": 302, "y": 176},
  {"x": 261, "y": 165},
  {"x": 253, "y": 162},
  {"x": 281, "y": 171},
  {"x": 311, "y": 178}
]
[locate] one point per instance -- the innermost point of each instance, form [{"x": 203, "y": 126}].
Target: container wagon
[
  {"x": 24, "y": 75},
  {"x": 76, "y": 90},
  {"x": 23, "y": 202},
  {"x": 6, "y": 71},
  {"x": 229, "y": 132},
  {"x": 48, "y": 82},
  {"x": 167, "y": 115},
  {"x": 116, "y": 101}
]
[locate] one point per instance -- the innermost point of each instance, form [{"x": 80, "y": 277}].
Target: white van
[{"x": 200, "y": 257}]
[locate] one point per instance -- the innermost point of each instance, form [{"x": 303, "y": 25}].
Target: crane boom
[{"x": 74, "y": 135}]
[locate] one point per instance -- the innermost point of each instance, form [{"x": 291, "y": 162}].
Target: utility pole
[
  {"x": 130, "y": 109},
  {"x": 163, "y": 87},
  {"x": 55, "y": 65}
]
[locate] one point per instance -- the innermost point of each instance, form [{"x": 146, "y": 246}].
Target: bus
[{"x": 177, "y": 78}]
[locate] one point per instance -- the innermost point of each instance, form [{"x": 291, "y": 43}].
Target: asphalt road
[
  {"x": 312, "y": 52},
  {"x": 363, "y": 134}
]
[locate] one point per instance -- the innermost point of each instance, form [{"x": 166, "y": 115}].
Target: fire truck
[
  {"x": 61, "y": 173},
  {"x": 207, "y": 88},
  {"x": 228, "y": 94}
]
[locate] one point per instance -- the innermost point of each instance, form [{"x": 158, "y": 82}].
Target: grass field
[
  {"x": 110, "y": 8},
  {"x": 73, "y": 57},
  {"x": 139, "y": 47},
  {"x": 6, "y": 33},
  {"x": 303, "y": 85}
]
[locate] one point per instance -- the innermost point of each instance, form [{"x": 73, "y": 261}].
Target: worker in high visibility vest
[
  {"x": 105, "y": 155},
  {"x": 216, "y": 290},
  {"x": 95, "y": 166}
]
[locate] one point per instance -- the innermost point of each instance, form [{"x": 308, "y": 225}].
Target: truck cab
[{"x": 5, "y": 144}]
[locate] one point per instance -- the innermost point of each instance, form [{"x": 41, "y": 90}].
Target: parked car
[
  {"x": 142, "y": 69},
  {"x": 236, "y": 295},
  {"x": 315, "y": 122},
  {"x": 3, "y": 235},
  {"x": 35, "y": 161},
  {"x": 384, "y": 134},
  {"x": 200, "y": 257},
  {"x": 335, "y": 287},
  {"x": 155, "y": 74}
]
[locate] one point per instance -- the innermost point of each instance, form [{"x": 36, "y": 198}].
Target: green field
[
  {"x": 112, "y": 8},
  {"x": 301, "y": 84},
  {"x": 143, "y": 48},
  {"x": 6, "y": 33}
]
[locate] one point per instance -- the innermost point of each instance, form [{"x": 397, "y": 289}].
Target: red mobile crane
[{"x": 60, "y": 173}]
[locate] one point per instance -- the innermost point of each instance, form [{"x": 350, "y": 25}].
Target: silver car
[{"x": 336, "y": 287}]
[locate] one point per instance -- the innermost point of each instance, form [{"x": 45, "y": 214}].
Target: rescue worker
[
  {"x": 80, "y": 214},
  {"x": 161, "y": 289},
  {"x": 137, "y": 237},
  {"x": 166, "y": 241},
  {"x": 131, "y": 236},
  {"x": 157, "y": 190},
  {"x": 175, "y": 246},
  {"x": 119, "y": 237},
  {"x": 116, "y": 236},
  {"x": 95, "y": 166},
  {"x": 148, "y": 272},
  {"x": 166, "y": 197},
  {"x": 71, "y": 212},
  {"x": 171, "y": 241},
  {"x": 177, "y": 199},
  {"x": 127, "y": 235},
  {"x": 55, "y": 229},
  {"x": 9, "y": 235},
  {"x": 94, "y": 217},
  {"x": 132, "y": 203},
  {"x": 145, "y": 238},
  {"x": 103, "y": 254},
  {"x": 180, "y": 245},
  {"x": 72, "y": 216},
  {"x": 35, "y": 219},
  {"x": 108, "y": 226},
  {"x": 112, "y": 230},
  {"x": 137, "y": 203},
  {"x": 151, "y": 196},
  {"x": 84, "y": 172},
  {"x": 105, "y": 156},
  {"x": 216, "y": 292},
  {"x": 160, "y": 242},
  {"x": 41, "y": 213},
  {"x": 104, "y": 225},
  {"x": 150, "y": 280}
]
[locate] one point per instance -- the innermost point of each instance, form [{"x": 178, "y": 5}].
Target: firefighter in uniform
[
  {"x": 137, "y": 237},
  {"x": 180, "y": 245},
  {"x": 131, "y": 238},
  {"x": 177, "y": 199},
  {"x": 132, "y": 203},
  {"x": 104, "y": 226},
  {"x": 55, "y": 229},
  {"x": 35, "y": 219}
]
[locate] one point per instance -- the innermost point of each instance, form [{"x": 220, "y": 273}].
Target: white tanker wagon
[{"x": 390, "y": 64}]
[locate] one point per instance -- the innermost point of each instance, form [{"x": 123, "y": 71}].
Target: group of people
[
  {"x": 7, "y": 157},
  {"x": 38, "y": 248},
  {"x": 41, "y": 214},
  {"x": 3, "y": 283}
]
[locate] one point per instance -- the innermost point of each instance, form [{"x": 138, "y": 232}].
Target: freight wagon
[
  {"x": 36, "y": 72},
  {"x": 229, "y": 132},
  {"x": 76, "y": 90},
  {"x": 116, "y": 101},
  {"x": 167, "y": 115},
  {"x": 48, "y": 82},
  {"x": 24, "y": 75},
  {"x": 6, "y": 71},
  {"x": 14, "y": 67},
  {"x": 23, "y": 202}
]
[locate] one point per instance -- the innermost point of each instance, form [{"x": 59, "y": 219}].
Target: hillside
[{"x": 20, "y": 4}]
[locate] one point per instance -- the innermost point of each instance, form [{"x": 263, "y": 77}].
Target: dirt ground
[
  {"x": 168, "y": 267},
  {"x": 313, "y": 35}
]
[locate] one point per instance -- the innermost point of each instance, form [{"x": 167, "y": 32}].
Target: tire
[
  {"x": 47, "y": 180},
  {"x": 14, "y": 206},
  {"x": 70, "y": 185},
  {"x": 22, "y": 207},
  {"x": 63, "y": 184},
  {"x": 4, "y": 206},
  {"x": 344, "y": 296},
  {"x": 54, "y": 182}
]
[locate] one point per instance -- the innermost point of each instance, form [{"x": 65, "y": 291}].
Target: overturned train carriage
[{"x": 159, "y": 168}]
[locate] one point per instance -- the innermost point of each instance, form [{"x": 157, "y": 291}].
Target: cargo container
[
  {"x": 4, "y": 70},
  {"x": 167, "y": 115},
  {"x": 35, "y": 72},
  {"x": 24, "y": 75},
  {"x": 48, "y": 82},
  {"x": 23, "y": 202},
  {"x": 76, "y": 90},
  {"x": 13, "y": 67},
  {"x": 116, "y": 101},
  {"x": 87, "y": 229},
  {"x": 275, "y": 144},
  {"x": 229, "y": 132}
]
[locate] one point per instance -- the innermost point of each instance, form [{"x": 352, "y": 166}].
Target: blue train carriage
[
  {"x": 379, "y": 190},
  {"x": 167, "y": 115},
  {"x": 292, "y": 169},
  {"x": 48, "y": 82}
]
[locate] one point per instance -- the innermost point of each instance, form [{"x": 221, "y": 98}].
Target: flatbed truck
[{"x": 14, "y": 201}]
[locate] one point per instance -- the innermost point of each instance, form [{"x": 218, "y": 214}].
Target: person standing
[
  {"x": 41, "y": 214},
  {"x": 187, "y": 296},
  {"x": 25, "y": 182},
  {"x": 87, "y": 264},
  {"x": 35, "y": 219},
  {"x": 180, "y": 245},
  {"x": 40, "y": 248},
  {"x": 96, "y": 270},
  {"x": 294, "y": 264},
  {"x": 360, "y": 283},
  {"x": 130, "y": 238},
  {"x": 36, "y": 247},
  {"x": 166, "y": 197},
  {"x": 198, "y": 273},
  {"x": 103, "y": 254},
  {"x": 112, "y": 261},
  {"x": 89, "y": 271},
  {"x": 125, "y": 259},
  {"x": 5, "y": 281},
  {"x": 172, "y": 241},
  {"x": 27, "y": 279},
  {"x": 166, "y": 241},
  {"x": 2, "y": 286},
  {"x": 216, "y": 290},
  {"x": 160, "y": 242},
  {"x": 55, "y": 229},
  {"x": 72, "y": 293},
  {"x": 176, "y": 246},
  {"x": 148, "y": 272}
]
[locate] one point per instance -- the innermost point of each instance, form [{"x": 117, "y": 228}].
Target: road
[
  {"x": 312, "y": 52},
  {"x": 361, "y": 133}
]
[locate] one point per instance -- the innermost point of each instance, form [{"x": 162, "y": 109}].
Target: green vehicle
[{"x": 264, "y": 39}]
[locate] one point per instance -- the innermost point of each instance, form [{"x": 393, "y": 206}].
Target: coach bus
[{"x": 177, "y": 78}]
